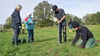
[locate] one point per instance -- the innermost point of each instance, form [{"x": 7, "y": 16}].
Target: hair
[
  {"x": 28, "y": 14},
  {"x": 18, "y": 6},
  {"x": 75, "y": 24}
]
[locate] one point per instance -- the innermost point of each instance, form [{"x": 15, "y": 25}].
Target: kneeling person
[{"x": 87, "y": 39}]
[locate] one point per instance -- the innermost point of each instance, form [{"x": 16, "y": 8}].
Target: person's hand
[
  {"x": 19, "y": 27},
  {"x": 31, "y": 22},
  {"x": 59, "y": 22}
]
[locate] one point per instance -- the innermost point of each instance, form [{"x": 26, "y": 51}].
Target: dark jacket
[
  {"x": 16, "y": 19},
  {"x": 60, "y": 14},
  {"x": 85, "y": 35}
]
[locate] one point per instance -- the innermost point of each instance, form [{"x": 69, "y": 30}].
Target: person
[
  {"x": 87, "y": 39},
  {"x": 23, "y": 28},
  {"x": 60, "y": 16},
  {"x": 30, "y": 27},
  {"x": 70, "y": 25},
  {"x": 16, "y": 23}
]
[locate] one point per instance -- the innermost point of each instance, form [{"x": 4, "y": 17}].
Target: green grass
[{"x": 46, "y": 44}]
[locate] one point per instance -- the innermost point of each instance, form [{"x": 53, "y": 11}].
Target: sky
[{"x": 75, "y": 7}]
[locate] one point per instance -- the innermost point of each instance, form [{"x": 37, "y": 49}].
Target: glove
[{"x": 19, "y": 27}]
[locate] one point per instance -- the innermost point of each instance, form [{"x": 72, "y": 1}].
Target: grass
[{"x": 46, "y": 44}]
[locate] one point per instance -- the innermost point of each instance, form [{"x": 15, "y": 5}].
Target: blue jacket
[{"x": 29, "y": 26}]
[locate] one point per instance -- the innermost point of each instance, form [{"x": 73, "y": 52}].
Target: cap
[
  {"x": 54, "y": 7},
  {"x": 75, "y": 24}
]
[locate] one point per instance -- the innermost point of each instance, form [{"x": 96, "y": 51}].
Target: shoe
[{"x": 13, "y": 43}]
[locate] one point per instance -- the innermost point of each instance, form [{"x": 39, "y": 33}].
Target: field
[{"x": 46, "y": 44}]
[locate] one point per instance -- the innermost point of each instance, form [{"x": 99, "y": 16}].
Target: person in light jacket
[{"x": 30, "y": 27}]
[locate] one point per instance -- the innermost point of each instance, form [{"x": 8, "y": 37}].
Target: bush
[{"x": 7, "y": 26}]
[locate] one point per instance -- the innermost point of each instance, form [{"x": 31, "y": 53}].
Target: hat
[
  {"x": 54, "y": 7},
  {"x": 75, "y": 24},
  {"x": 28, "y": 14}
]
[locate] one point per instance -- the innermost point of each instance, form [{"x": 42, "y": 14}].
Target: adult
[
  {"x": 60, "y": 16},
  {"x": 87, "y": 39},
  {"x": 30, "y": 27},
  {"x": 16, "y": 23}
]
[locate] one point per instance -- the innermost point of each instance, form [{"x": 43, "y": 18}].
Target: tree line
[{"x": 44, "y": 15}]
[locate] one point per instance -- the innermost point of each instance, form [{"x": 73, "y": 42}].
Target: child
[
  {"x": 23, "y": 28},
  {"x": 87, "y": 38}
]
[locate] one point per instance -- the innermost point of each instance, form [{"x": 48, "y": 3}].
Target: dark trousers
[
  {"x": 62, "y": 27},
  {"x": 30, "y": 36},
  {"x": 15, "y": 35}
]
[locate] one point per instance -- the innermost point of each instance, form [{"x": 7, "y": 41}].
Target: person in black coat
[
  {"x": 16, "y": 23},
  {"x": 87, "y": 38}
]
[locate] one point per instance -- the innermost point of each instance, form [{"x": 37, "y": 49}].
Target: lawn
[{"x": 46, "y": 44}]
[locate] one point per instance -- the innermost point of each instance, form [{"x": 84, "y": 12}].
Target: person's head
[
  {"x": 55, "y": 8},
  {"x": 29, "y": 14},
  {"x": 75, "y": 25},
  {"x": 18, "y": 7}
]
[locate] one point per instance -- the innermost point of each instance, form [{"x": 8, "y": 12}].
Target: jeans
[
  {"x": 90, "y": 43},
  {"x": 15, "y": 36},
  {"x": 30, "y": 36},
  {"x": 61, "y": 27}
]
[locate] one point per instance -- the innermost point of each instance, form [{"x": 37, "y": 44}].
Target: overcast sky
[{"x": 76, "y": 7}]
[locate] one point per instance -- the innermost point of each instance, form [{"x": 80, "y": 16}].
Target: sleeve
[
  {"x": 18, "y": 19},
  {"x": 76, "y": 38},
  {"x": 28, "y": 22},
  {"x": 84, "y": 31},
  {"x": 63, "y": 12}
]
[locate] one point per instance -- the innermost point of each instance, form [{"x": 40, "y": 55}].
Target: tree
[
  {"x": 42, "y": 12},
  {"x": 74, "y": 18},
  {"x": 92, "y": 19},
  {"x": 7, "y": 25},
  {"x": 77, "y": 19}
]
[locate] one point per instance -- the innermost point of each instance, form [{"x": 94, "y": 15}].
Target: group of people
[
  {"x": 84, "y": 37},
  {"x": 16, "y": 25}
]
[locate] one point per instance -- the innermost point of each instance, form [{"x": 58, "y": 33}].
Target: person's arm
[
  {"x": 62, "y": 18},
  {"x": 84, "y": 31},
  {"x": 63, "y": 15},
  {"x": 57, "y": 20},
  {"x": 76, "y": 38}
]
